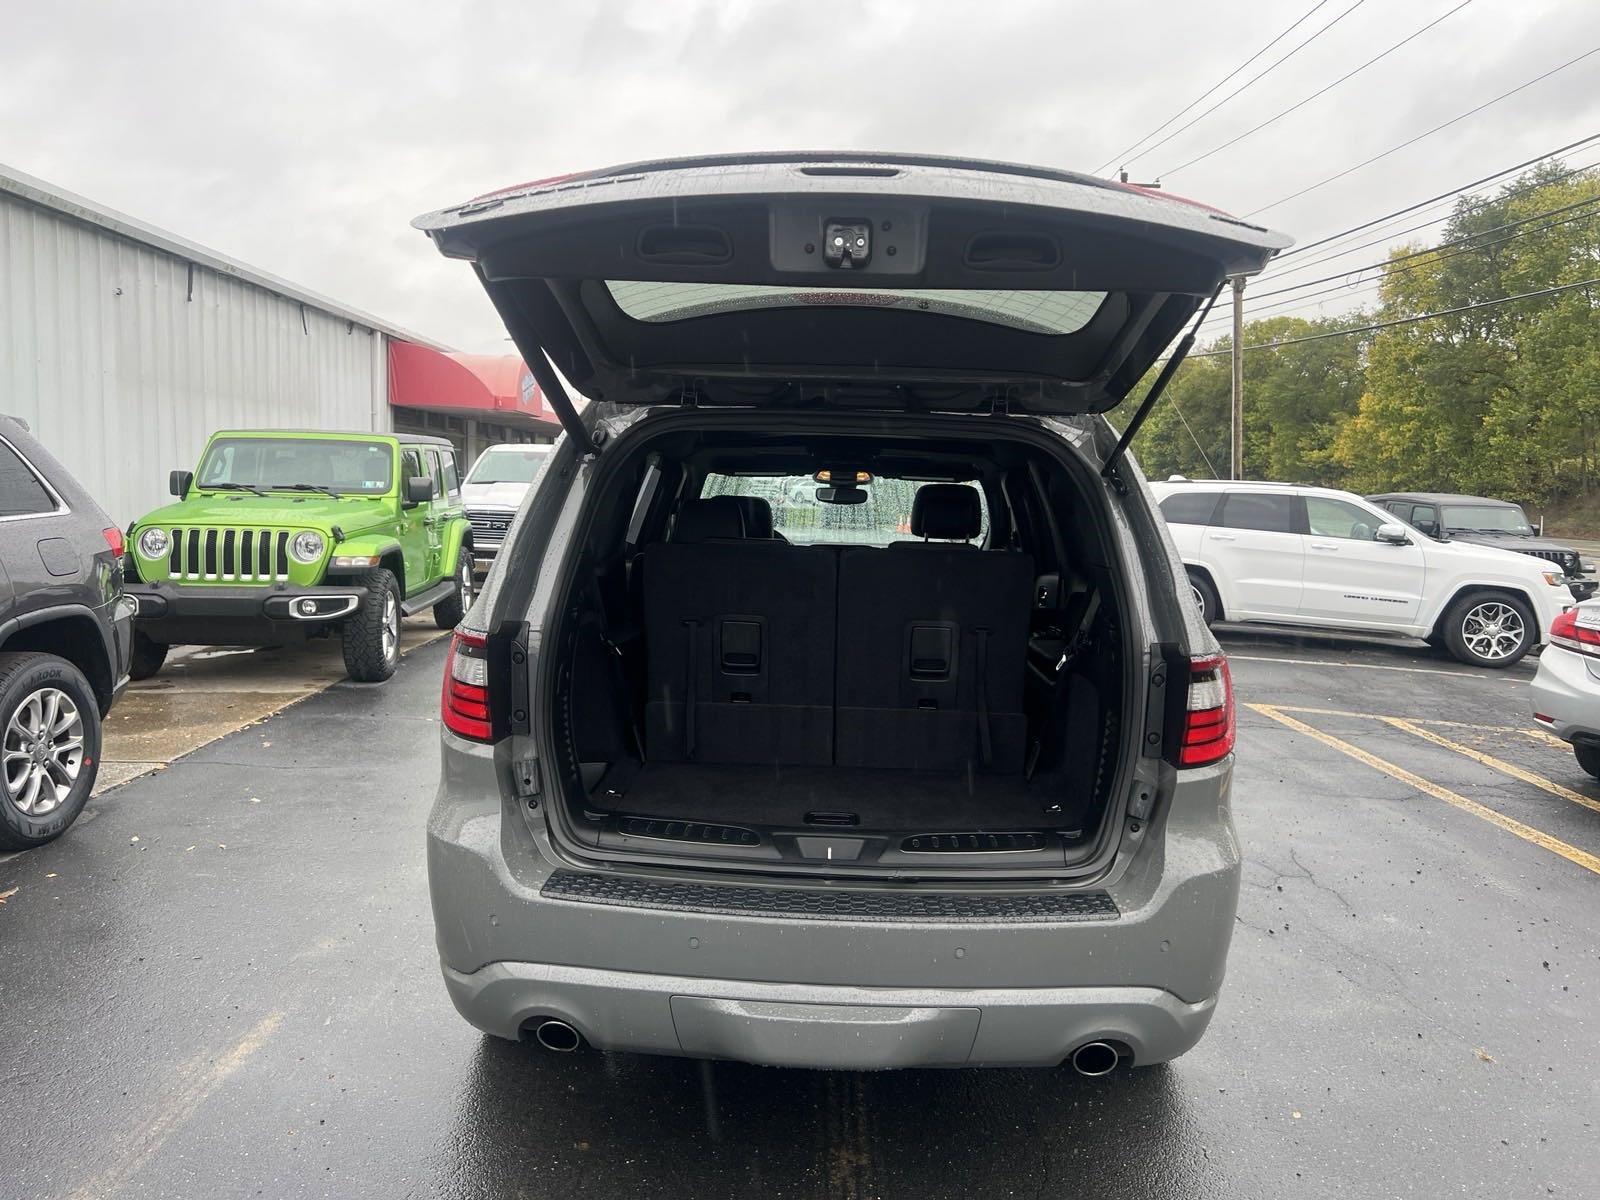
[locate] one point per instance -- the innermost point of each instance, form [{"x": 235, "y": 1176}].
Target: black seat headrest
[
  {"x": 710, "y": 519},
  {"x": 757, "y": 516},
  {"x": 947, "y": 511}
]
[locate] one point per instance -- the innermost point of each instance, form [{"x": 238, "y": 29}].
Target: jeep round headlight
[
  {"x": 307, "y": 546},
  {"x": 153, "y": 542}
]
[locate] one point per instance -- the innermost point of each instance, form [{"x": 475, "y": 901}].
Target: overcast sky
[{"x": 302, "y": 136}]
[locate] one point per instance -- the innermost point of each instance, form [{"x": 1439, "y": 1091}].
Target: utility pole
[{"x": 1236, "y": 423}]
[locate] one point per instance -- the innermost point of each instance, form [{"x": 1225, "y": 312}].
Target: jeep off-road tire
[
  {"x": 148, "y": 657},
  {"x": 372, "y": 632},
  {"x": 448, "y": 612},
  {"x": 1490, "y": 629},
  {"x": 49, "y": 747}
]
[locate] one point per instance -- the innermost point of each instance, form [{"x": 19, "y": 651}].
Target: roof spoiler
[{"x": 1149, "y": 402}]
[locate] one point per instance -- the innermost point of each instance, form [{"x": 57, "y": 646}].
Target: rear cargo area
[{"x": 955, "y": 691}]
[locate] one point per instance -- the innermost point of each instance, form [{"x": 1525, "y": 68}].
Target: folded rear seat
[
  {"x": 741, "y": 643},
  {"x": 932, "y": 646}
]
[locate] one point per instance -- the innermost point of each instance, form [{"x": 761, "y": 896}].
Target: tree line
[{"x": 1501, "y": 401}]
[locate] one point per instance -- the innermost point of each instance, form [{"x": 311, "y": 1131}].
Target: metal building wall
[{"x": 123, "y": 357}]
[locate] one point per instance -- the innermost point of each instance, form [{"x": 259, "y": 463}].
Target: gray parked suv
[
  {"x": 932, "y": 769},
  {"x": 66, "y": 633}
]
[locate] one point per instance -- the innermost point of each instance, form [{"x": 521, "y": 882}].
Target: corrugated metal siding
[{"x": 123, "y": 362}]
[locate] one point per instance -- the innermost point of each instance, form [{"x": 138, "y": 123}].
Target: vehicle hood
[
  {"x": 494, "y": 495},
  {"x": 982, "y": 286},
  {"x": 351, "y": 514},
  {"x": 1506, "y": 561},
  {"x": 1510, "y": 541}
]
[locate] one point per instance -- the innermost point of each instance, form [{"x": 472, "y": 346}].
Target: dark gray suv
[
  {"x": 66, "y": 633},
  {"x": 837, "y": 699}
]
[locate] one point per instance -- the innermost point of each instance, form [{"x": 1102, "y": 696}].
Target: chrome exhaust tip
[
  {"x": 1094, "y": 1059},
  {"x": 558, "y": 1036}
]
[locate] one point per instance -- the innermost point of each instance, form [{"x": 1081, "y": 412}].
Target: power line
[
  {"x": 1320, "y": 92},
  {"x": 1173, "y": 400},
  {"x": 1458, "y": 242},
  {"x": 1447, "y": 312},
  {"x": 1201, "y": 97},
  {"x": 1399, "y": 233},
  {"x": 1250, "y": 83},
  {"x": 1428, "y": 133},
  {"x": 1410, "y": 208},
  {"x": 1278, "y": 309}
]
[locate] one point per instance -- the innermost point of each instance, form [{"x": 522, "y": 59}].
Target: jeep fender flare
[
  {"x": 379, "y": 546},
  {"x": 458, "y": 534}
]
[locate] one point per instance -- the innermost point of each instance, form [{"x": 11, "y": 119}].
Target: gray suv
[
  {"x": 66, "y": 634},
  {"x": 837, "y": 700}
]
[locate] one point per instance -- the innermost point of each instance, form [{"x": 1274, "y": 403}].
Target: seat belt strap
[
  {"x": 689, "y": 673},
  {"x": 985, "y": 734}
]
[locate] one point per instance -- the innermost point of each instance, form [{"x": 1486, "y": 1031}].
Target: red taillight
[
  {"x": 1208, "y": 719},
  {"x": 464, "y": 703},
  {"x": 114, "y": 540},
  {"x": 1569, "y": 633}
]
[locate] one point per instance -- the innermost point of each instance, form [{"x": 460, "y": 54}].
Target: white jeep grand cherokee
[{"x": 1328, "y": 559}]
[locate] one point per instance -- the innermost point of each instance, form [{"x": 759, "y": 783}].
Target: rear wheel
[
  {"x": 447, "y": 613},
  {"x": 1205, "y": 598},
  {"x": 372, "y": 633},
  {"x": 1489, "y": 629},
  {"x": 147, "y": 658},
  {"x": 49, "y": 747},
  {"x": 1588, "y": 758}
]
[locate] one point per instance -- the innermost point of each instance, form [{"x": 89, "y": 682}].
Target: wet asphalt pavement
[{"x": 224, "y": 985}]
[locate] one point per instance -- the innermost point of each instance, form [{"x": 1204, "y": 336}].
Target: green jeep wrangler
[{"x": 283, "y": 536}]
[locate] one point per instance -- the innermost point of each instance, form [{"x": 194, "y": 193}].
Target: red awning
[{"x": 490, "y": 386}]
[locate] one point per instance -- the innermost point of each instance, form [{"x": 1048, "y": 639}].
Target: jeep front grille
[
  {"x": 229, "y": 555},
  {"x": 1567, "y": 560}
]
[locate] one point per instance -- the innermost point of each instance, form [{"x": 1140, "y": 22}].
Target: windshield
[
  {"x": 517, "y": 464},
  {"x": 1486, "y": 518},
  {"x": 804, "y": 520},
  {"x": 305, "y": 464}
]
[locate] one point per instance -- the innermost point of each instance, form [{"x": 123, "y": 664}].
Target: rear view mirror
[
  {"x": 842, "y": 495},
  {"x": 178, "y": 483},
  {"x": 418, "y": 489},
  {"x": 1392, "y": 532}
]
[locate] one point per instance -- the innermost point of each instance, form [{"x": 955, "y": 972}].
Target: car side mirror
[
  {"x": 418, "y": 490},
  {"x": 1392, "y": 532},
  {"x": 178, "y": 483}
]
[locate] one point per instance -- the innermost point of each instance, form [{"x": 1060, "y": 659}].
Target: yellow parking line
[
  {"x": 1526, "y": 832},
  {"x": 1340, "y": 712},
  {"x": 1549, "y": 739},
  {"x": 1498, "y": 764}
]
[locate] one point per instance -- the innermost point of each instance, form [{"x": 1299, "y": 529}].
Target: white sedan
[{"x": 1566, "y": 690}]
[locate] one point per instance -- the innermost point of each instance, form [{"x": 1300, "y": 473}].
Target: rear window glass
[
  {"x": 804, "y": 520},
  {"x": 1249, "y": 510},
  {"x": 1036, "y": 312},
  {"x": 1189, "y": 508}
]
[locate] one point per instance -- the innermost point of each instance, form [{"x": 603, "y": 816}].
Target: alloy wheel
[
  {"x": 1199, "y": 599},
  {"x": 42, "y": 751},
  {"x": 391, "y": 626},
  {"x": 466, "y": 584},
  {"x": 1493, "y": 630}
]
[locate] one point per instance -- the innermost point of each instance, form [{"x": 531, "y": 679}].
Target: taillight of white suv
[{"x": 1208, "y": 721}]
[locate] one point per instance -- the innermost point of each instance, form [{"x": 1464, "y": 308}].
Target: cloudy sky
[{"x": 303, "y": 135}]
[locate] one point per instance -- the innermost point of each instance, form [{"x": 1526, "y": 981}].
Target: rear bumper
[
  {"x": 657, "y": 973},
  {"x": 832, "y": 1028},
  {"x": 175, "y": 614},
  {"x": 1565, "y": 694}
]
